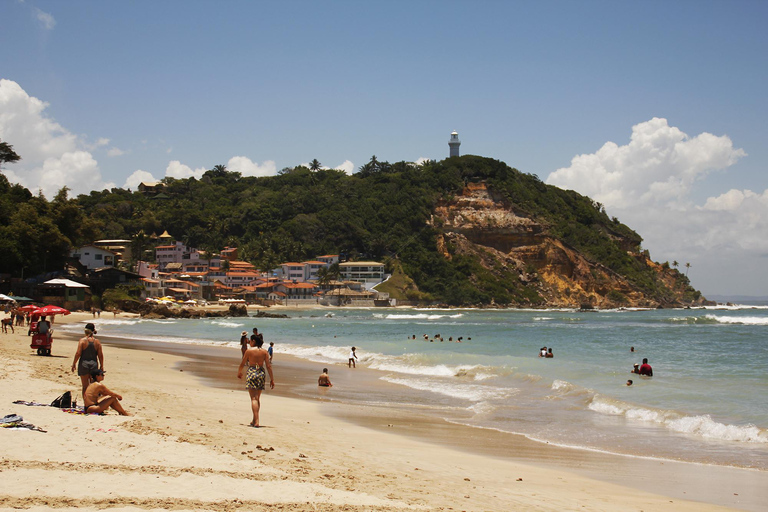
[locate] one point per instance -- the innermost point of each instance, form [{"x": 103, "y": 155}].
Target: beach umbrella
[
  {"x": 28, "y": 307},
  {"x": 52, "y": 310}
]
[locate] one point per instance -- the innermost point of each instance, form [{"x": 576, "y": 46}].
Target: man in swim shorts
[{"x": 256, "y": 358}]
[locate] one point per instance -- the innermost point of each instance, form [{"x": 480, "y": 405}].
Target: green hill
[{"x": 388, "y": 212}]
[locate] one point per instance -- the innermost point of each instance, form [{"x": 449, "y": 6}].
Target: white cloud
[
  {"x": 46, "y": 19},
  {"x": 647, "y": 185},
  {"x": 52, "y": 156},
  {"x": 346, "y": 166},
  {"x": 178, "y": 170},
  {"x": 113, "y": 151},
  {"x": 246, "y": 167},
  {"x": 137, "y": 177},
  {"x": 659, "y": 165}
]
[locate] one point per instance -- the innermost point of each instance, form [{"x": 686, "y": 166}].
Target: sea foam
[{"x": 701, "y": 425}]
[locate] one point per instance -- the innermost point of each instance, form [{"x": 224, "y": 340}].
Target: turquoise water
[{"x": 707, "y": 401}]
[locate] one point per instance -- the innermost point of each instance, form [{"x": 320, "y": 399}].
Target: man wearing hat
[{"x": 98, "y": 398}]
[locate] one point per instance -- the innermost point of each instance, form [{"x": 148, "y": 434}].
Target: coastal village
[{"x": 191, "y": 276}]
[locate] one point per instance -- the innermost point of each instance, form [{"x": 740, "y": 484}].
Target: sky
[{"x": 655, "y": 109}]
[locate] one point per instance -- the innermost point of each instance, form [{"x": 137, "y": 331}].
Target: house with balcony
[{"x": 369, "y": 272}]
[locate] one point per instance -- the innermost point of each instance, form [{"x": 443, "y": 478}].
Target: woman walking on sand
[{"x": 88, "y": 357}]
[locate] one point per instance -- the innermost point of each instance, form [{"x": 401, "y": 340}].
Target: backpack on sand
[{"x": 64, "y": 401}]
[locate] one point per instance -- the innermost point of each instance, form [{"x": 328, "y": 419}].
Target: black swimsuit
[{"x": 88, "y": 360}]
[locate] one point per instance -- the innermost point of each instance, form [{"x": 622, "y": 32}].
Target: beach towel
[
  {"x": 16, "y": 421},
  {"x": 72, "y": 410}
]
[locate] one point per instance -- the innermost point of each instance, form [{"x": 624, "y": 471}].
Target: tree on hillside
[
  {"x": 675, "y": 264},
  {"x": 687, "y": 266},
  {"x": 7, "y": 154},
  {"x": 315, "y": 165}
]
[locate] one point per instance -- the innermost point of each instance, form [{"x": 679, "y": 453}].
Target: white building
[
  {"x": 92, "y": 257},
  {"x": 362, "y": 271}
]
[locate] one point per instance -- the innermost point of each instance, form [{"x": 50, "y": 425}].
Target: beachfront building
[
  {"x": 66, "y": 293},
  {"x": 292, "y": 271},
  {"x": 166, "y": 254},
  {"x": 328, "y": 259},
  {"x": 238, "y": 278},
  {"x": 297, "y": 293},
  {"x": 311, "y": 268},
  {"x": 92, "y": 257},
  {"x": 362, "y": 271}
]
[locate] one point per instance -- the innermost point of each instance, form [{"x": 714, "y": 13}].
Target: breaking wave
[{"x": 702, "y": 425}]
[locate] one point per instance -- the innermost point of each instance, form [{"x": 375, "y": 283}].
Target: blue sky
[{"x": 99, "y": 94}]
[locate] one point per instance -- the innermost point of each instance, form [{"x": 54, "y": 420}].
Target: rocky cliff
[{"x": 483, "y": 225}]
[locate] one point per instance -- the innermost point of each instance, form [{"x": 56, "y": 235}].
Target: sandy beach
[{"x": 188, "y": 447}]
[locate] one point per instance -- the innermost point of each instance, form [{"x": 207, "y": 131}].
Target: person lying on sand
[{"x": 98, "y": 398}]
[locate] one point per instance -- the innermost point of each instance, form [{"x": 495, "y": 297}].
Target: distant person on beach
[
  {"x": 631, "y": 349},
  {"x": 645, "y": 368},
  {"x": 256, "y": 336},
  {"x": 256, "y": 358},
  {"x": 88, "y": 357},
  {"x": 271, "y": 350},
  {"x": 352, "y": 357},
  {"x": 44, "y": 327},
  {"x": 543, "y": 352},
  {"x": 324, "y": 381},
  {"x": 635, "y": 368},
  {"x": 98, "y": 398},
  {"x": 629, "y": 382},
  {"x": 243, "y": 342},
  {"x": 549, "y": 354}
]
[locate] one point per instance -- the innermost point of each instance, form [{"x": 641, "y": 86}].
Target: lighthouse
[{"x": 454, "y": 144}]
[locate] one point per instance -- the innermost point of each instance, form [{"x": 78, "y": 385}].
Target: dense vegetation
[{"x": 381, "y": 213}]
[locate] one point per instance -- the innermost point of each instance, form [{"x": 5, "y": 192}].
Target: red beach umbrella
[
  {"x": 52, "y": 310},
  {"x": 28, "y": 307}
]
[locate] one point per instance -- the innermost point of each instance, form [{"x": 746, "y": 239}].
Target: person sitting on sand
[
  {"x": 88, "y": 357},
  {"x": 645, "y": 368},
  {"x": 352, "y": 357},
  {"x": 549, "y": 354},
  {"x": 324, "y": 380},
  {"x": 256, "y": 358},
  {"x": 98, "y": 398}
]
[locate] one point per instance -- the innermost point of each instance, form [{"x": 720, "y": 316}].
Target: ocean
[{"x": 706, "y": 403}]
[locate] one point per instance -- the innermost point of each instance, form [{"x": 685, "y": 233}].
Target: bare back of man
[
  {"x": 98, "y": 398},
  {"x": 256, "y": 358}
]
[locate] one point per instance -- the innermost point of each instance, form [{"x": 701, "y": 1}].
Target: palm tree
[
  {"x": 315, "y": 165},
  {"x": 687, "y": 266},
  {"x": 675, "y": 264}
]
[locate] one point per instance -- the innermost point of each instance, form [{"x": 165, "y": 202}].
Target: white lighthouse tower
[{"x": 454, "y": 144}]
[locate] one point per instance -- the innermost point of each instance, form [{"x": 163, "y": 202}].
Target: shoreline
[
  {"x": 602, "y": 465},
  {"x": 361, "y": 441}
]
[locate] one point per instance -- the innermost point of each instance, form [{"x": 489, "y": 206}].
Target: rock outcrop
[{"x": 482, "y": 226}]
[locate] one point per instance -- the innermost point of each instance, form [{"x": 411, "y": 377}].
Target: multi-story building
[{"x": 362, "y": 271}]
